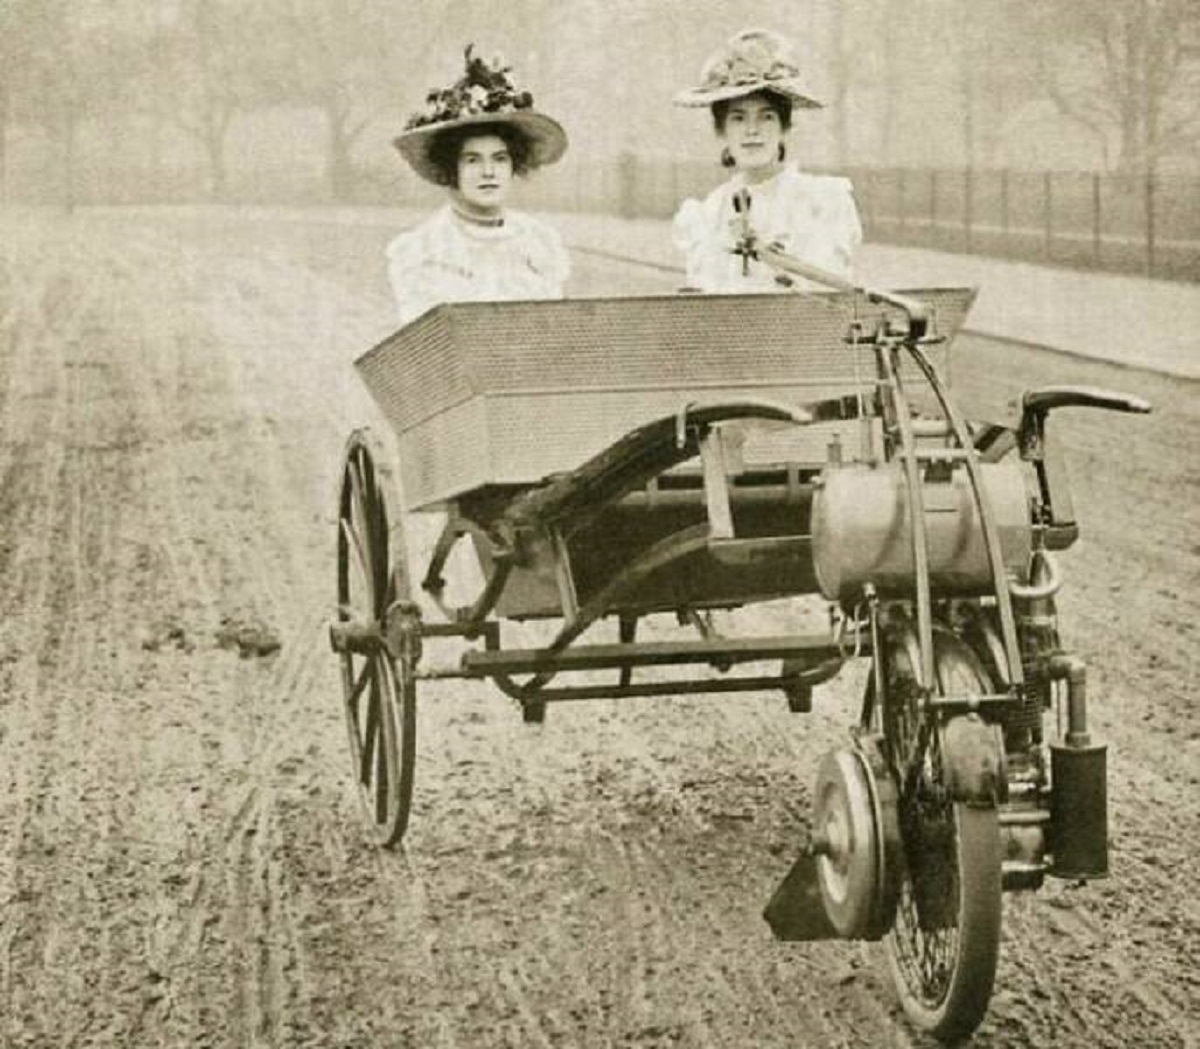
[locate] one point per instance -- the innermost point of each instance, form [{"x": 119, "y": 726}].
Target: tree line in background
[{"x": 1126, "y": 72}]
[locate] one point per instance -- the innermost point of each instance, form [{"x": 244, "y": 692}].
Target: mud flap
[
  {"x": 973, "y": 761},
  {"x": 796, "y": 911}
]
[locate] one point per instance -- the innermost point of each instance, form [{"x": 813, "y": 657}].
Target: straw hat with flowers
[
  {"x": 484, "y": 95},
  {"x": 753, "y": 60}
]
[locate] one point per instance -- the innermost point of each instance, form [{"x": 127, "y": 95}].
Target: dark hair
[
  {"x": 782, "y": 107},
  {"x": 446, "y": 146}
]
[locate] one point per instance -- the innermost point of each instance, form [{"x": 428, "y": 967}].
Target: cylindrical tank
[{"x": 861, "y": 530}]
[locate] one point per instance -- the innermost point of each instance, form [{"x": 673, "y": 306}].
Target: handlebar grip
[
  {"x": 1049, "y": 397},
  {"x": 918, "y": 311}
]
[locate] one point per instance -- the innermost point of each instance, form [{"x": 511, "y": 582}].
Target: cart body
[
  {"x": 490, "y": 399},
  {"x": 509, "y": 393}
]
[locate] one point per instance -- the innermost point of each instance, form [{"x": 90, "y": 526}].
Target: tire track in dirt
[
  {"x": 71, "y": 581},
  {"x": 288, "y": 735},
  {"x": 36, "y": 434},
  {"x": 83, "y": 604},
  {"x": 254, "y": 890}
]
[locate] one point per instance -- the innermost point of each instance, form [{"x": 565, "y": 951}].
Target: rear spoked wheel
[
  {"x": 944, "y": 943},
  {"x": 378, "y": 691}
]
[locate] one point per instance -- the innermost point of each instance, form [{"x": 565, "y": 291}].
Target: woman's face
[
  {"x": 753, "y": 133},
  {"x": 485, "y": 172}
]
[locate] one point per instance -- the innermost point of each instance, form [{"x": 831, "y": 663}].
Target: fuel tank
[{"x": 861, "y": 529}]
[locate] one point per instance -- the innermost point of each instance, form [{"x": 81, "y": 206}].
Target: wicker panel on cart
[{"x": 491, "y": 393}]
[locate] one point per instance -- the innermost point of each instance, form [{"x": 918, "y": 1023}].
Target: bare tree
[
  {"x": 843, "y": 64},
  {"x": 12, "y": 71},
  {"x": 338, "y": 59},
  {"x": 61, "y": 67},
  {"x": 979, "y": 50},
  {"x": 202, "y": 57},
  {"x": 891, "y": 34},
  {"x": 1125, "y": 69}
]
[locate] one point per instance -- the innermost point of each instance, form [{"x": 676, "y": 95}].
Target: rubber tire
[
  {"x": 979, "y": 859},
  {"x": 966, "y": 1000}
]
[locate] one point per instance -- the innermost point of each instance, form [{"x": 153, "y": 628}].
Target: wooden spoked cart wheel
[
  {"x": 944, "y": 944},
  {"x": 378, "y": 689}
]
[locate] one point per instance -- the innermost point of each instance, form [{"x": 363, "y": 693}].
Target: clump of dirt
[
  {"x": 167, "y": 635},
  {"x": 251, "y": 637}
]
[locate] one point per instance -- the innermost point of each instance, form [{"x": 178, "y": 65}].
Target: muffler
[{"x": 1078, "y": 786}]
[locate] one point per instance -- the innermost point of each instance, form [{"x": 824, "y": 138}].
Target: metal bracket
[{"x": 716, "y": 484}]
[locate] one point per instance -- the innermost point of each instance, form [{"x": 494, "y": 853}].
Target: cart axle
[{"x": 725, "y": 651}]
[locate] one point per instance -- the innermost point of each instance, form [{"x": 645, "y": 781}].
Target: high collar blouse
[
  {"x": 448, "y": 259},
  {"x": 812, "y": 217}
]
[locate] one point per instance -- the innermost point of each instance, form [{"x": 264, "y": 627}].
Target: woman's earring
[
  {"x": 782, "y": 151},
  {"x": 727, "y": 160}
]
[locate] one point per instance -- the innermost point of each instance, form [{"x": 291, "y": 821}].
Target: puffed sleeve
[
  {"x": 546, "y": 264},
  {"x": 697, "y": 233},
  {"x": 556, "y": 261},
  {"x": 840, "y": 232},
  {"x": 411, "y": 278},
  {"x": 684, "y": 225}
]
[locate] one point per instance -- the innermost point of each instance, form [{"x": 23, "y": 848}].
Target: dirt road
[{"x": 181, "y": 861}]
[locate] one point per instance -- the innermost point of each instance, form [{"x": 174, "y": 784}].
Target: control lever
[
  {"x": 745, "y": 245},
  {"x": 918, "y": 313}
]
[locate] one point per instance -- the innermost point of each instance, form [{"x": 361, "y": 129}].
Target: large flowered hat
[
  {"x": 753, "y": 60},
  {"x": 484, "y": 94}
]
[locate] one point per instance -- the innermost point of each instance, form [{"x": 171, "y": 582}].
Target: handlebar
[
  {"x": 1050, "y": 397},
  {"x": 918, "y": 312},
  {"x": 1037, "y": 404}
]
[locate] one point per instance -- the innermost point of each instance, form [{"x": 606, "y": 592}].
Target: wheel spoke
[
  {"x": 383, "y": 752},
  {"x": 359, "y": 560},
  {"x": 371, "y": 728},
  {"x": 365, "y": 520},
  {"x": 375, "y": 504},
  {"x": 924, "y": 950},
  {"x": 356, "y": 690}
]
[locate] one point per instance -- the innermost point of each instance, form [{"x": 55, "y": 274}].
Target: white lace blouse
[
  {"x": 812, "y": 217},
  {"x": 447, "y": 259}
]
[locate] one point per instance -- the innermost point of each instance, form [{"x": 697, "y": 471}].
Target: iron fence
[{"x": 1146, "y": 224}]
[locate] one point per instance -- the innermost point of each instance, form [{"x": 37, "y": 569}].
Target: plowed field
[{"x": 182, "y": 861}]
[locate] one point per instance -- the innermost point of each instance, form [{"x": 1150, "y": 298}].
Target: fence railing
[
  {"x": 1145, "y": 224},
  {"x": 1148, "y": 224}
]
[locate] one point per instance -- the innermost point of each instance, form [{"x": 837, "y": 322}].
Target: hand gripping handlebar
[{"x": 918, "y": 312}]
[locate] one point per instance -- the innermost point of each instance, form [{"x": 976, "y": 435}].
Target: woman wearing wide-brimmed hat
[
  {"x": 472, "y": 139},
  {"x": 753, "y": 88}
]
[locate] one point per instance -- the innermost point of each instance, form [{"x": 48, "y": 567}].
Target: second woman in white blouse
[
  {"x": 473, "y": 139},
  {"x": 752, "y": 87}
]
